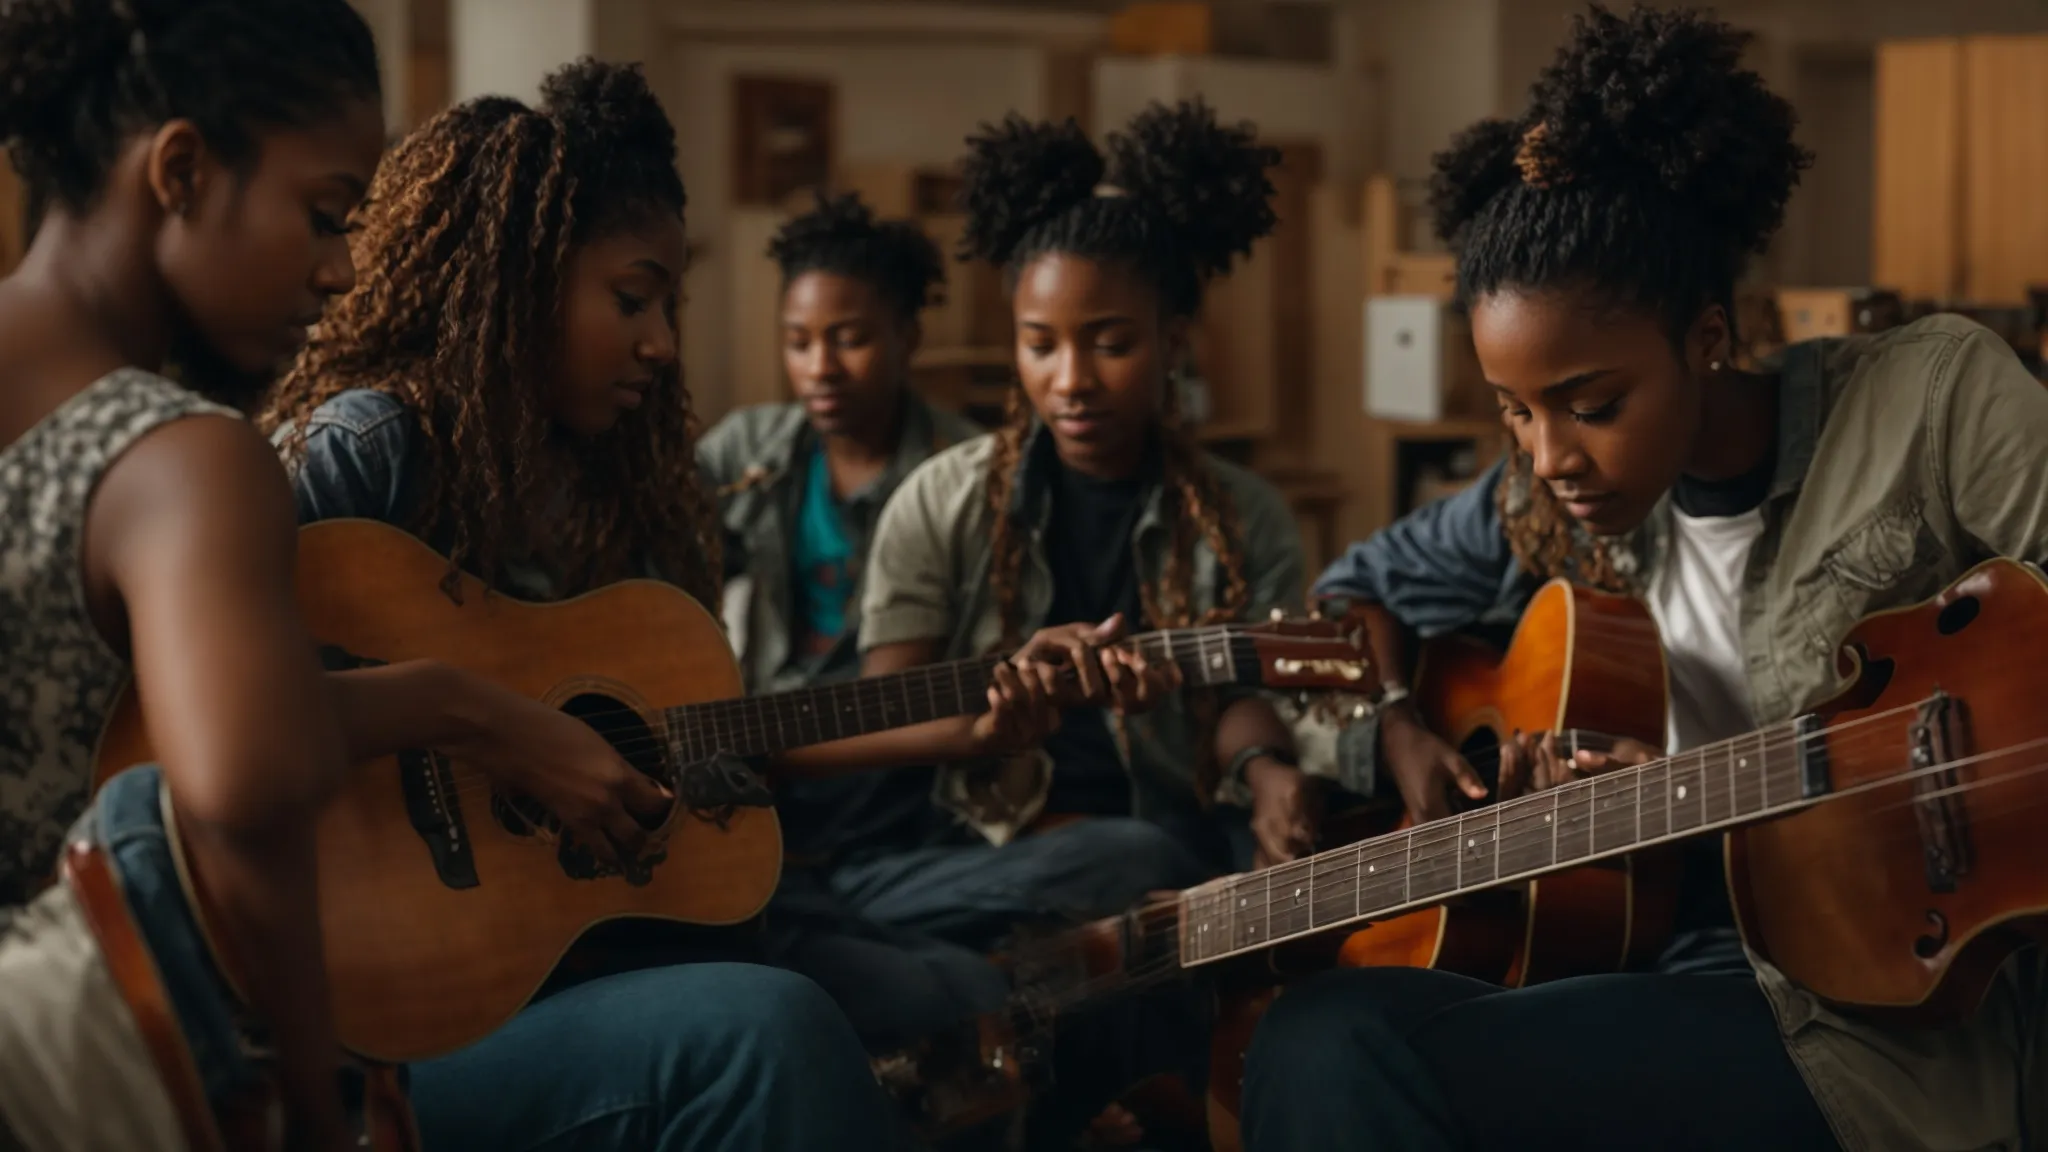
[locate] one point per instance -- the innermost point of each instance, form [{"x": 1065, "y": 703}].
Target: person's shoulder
[
  {"x": 948, "y": 484},
  {"x": 362, "y": 411},
  {"x": 964, "y": 463},
  {"x": 1903, "y": 364},
  {"x": 749, "y": 432}
]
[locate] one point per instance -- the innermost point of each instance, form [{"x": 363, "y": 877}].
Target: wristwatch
[{"x": 1245, "y": 756}]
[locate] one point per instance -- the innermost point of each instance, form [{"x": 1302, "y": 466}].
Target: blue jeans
[
  {"x": 975, "y": 894},
  {"x": 896, "y": 985},
  {"x": 1414, "y": 1060},
  {"x": 680, "y": 1059}
]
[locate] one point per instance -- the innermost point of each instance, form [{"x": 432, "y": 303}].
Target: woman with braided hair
[
  {"x": 503, "y": 383},
  {"x": 1093, "y": 502},
  {"x": 1759, "y": 516}
]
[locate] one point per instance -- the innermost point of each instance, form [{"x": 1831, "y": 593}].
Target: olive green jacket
[
  {"x": 928, "y": 579},
  {"x": 1904, "y": 459}
]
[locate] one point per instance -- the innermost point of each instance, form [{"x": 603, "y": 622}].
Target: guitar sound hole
[
  {"x": 1957, "y": 615},
  {"x": 1481, "y": 749},
  {"x": 620, "y": 726}
]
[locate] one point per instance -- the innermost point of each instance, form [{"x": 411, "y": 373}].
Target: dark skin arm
[
  {"x": 1423, "y": 766},
  {"x": 189, "y": 554},
  {"x": 1033, "y": 688},
  {"x": 521, "y": 744},
  {"x": 1285, "y": 801}
]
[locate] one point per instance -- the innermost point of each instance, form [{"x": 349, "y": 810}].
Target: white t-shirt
[{"x": 1697, "y": 602}]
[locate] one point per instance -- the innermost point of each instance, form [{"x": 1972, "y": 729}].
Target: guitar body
[
  {"x": 435, "y": 938},
  {"x": 1905, "y": 897},
  {"x": 1580, "y": 659},
  {"x": 1583, "y": 660}
]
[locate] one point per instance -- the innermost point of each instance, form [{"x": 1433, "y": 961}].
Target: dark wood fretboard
[
  {"x": 1751, "y": 777},
  {"x": 764, "y": 725}
]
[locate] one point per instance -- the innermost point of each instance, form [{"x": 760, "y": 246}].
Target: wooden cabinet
[{"x": 1961, "y": 159}]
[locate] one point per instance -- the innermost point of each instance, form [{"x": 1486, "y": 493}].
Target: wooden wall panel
[
  {"x": 756, "y": 311},
  {"x": 2005, "y": 166},
  {"x": 1916, "y": 245}
]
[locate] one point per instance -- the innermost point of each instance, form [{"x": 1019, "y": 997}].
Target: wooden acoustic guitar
[
  {"x": 251, "y": 1118},
  {"x": 445, "y": 903},
  {"x": 1883, "y": 850},
  {"x": 1585, "y": 666}
]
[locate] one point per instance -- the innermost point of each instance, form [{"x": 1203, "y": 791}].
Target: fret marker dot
[
  {"x": 1546, "y": 817},
  {"x": 1742, "y": 763},
  {"x": 1681, "y": 791},
  {"x": 1372, "y": 867},
  {"x": 1471, "y": 843}
]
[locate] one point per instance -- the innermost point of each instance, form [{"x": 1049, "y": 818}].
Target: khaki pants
[{"x": 74, "y": 1074}]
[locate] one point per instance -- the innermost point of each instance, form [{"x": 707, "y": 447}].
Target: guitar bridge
[
  {"x": 435, "y": 814},
  {"x": 1937, "y": 800}
]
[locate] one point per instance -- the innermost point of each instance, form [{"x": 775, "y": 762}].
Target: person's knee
[
  {"x": 1145, "y": 856},
  {"x": 768, "y": 1017},
  {"x": 1346, "y": 1009}
]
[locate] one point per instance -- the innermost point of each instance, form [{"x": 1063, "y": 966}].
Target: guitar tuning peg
[{"x": 1278, "y": 614}]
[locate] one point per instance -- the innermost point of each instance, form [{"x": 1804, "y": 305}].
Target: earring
[{"x": 1713, "y": 365}]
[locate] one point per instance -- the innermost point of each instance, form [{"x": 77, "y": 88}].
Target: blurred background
[{"x": 1330, "y": 361}]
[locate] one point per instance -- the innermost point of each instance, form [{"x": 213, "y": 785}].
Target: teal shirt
[{"x": 823, "y": 559}]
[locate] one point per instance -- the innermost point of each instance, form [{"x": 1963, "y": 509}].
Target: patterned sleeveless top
[{"x": 58, "y": 677}]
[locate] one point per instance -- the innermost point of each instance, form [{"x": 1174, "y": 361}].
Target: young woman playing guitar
[
  {"x": 1759, "y": 515},
  {"x": 504, "y": 384},
  {"x": 1093, "y": 499}
]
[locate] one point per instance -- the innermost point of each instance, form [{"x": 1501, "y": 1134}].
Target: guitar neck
[
  {"x": 1751, "y": 777},
  {"x": 778, "y": 721}
]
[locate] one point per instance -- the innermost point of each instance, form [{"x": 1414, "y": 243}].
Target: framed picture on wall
[{"x": 783, "y": 137}]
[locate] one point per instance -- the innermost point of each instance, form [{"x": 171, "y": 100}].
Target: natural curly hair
[
  {"x": 1647, "y": 169},
  {"x": 1186, "y": 197},
  {"x": 841, "y": 236},
  {"x": 466, "y": 240}
]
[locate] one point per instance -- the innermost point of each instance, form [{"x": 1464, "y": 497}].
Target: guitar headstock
[{"x": 1303, "y": 653}]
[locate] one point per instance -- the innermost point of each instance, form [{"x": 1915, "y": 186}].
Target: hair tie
[{"x": 1538, "y": 169}]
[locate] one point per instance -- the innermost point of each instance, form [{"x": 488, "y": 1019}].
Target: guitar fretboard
[
  {"x": 1751, "y": 777},
  {"x": 763, "y": 725}
]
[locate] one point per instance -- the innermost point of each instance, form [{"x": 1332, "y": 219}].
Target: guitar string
[
  {"x": 1261, "y": 905},
  {"x": 1163, "y": 917},
  {"x": 470, "y": 779}
]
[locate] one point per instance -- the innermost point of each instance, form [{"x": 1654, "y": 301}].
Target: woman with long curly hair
[
  {"x": 1093, "y": 501},
  {"x": 503, "y": 382},
  {"x": 1759, "y": 515}
]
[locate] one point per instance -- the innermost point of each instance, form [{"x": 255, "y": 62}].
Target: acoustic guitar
[
  {"x": 1589, "y": 668},
  {"x": 1883, "y": 850},
  {"x": 446, "y": 903},
  {"x": 1584, "y": 666}
]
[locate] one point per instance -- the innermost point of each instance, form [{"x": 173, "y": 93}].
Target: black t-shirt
[{"x": 1094, "y": 575}]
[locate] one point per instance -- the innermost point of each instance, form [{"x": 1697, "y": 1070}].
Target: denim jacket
[
  {"x": 928, "y": 579},
  {"x": 754, "y": 459},
  {"x": 366, "y": 458},
  {"x": 1903, "y": 459}
]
